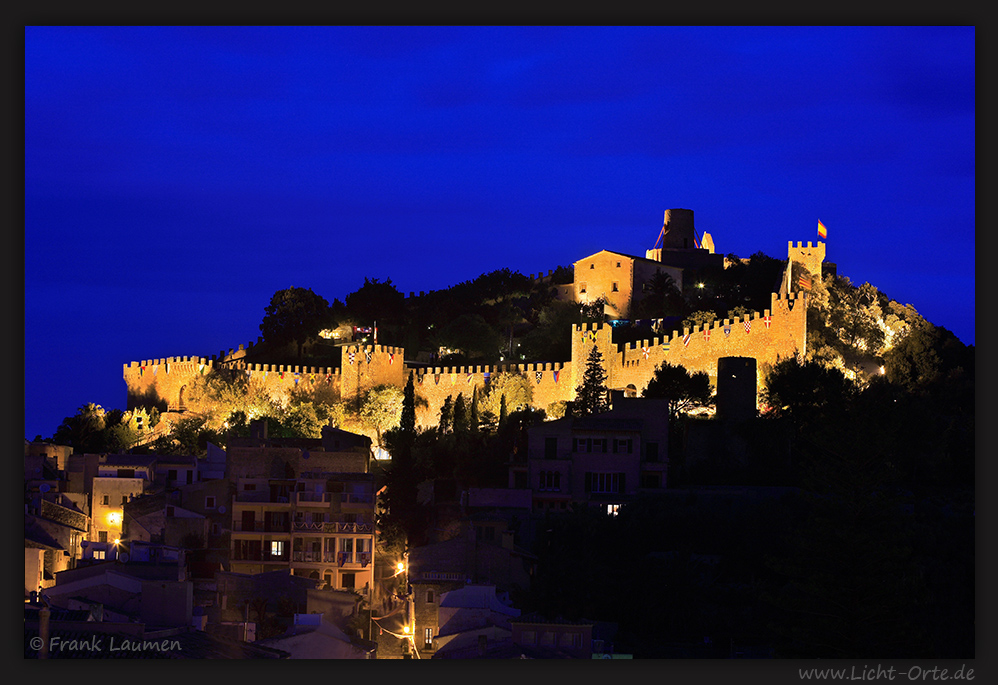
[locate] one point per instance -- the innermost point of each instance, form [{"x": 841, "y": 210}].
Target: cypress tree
[
  {"x": 473, "y": 419},
  {"x": 460, "y": 415}
]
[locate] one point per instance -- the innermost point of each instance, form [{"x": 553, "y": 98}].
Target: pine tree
[{"x": 591, "y": 396}]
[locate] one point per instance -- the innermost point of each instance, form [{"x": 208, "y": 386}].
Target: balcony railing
[
  {"x": 340, "y": 558},
  {"x": 313, "y": 498},
  {"x": 260, "y": 497},
  {"x": 259, "y": 556},
  {"x": 332, "y": 527},
  {"x": 353, "y": 498},
  {"x": 260, "y": 527}
]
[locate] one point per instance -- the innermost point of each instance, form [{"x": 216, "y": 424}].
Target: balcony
[
  {"x": 332, "y": 527},
  {"x": 260, "y": 527},
  {"x": 338, "y": 558},
  {"x": 239, "y": 555},
  {"x": 356, "y": 498},
  {"x": 315, "y": 499},
  {"x": 260, "y": 497}
]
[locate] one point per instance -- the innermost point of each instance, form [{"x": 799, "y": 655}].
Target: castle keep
[{"x": 777, "y": 332}]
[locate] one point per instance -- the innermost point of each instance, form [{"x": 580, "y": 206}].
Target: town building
[{"x": 603, "y": 460}]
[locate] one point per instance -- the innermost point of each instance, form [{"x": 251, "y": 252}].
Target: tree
[
  {"x": 683, "y": 389},
  {"x": 662, "y": 298},
  {"x": 84, "y": 431},
  {"x": 382, "y": 409},
  {"x": 591, "y": 396},
  {"x": 460, "y": 415},
  {"x": 376, "y": 301},
  {"x": 294, "y": 315},
  {"x": 515, "y": 387}
]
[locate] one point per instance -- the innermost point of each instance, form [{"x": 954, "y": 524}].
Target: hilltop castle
[{"x": 777, "y": 332}]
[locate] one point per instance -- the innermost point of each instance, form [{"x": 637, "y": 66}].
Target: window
[
  {"x": 528, "y": 637},
  {"x": 623, "y": 445},
  {"x": 124, "y": 499},
  {"x": 618, "y": 265},
  {"x": 599, "y": 445},
  {"x": 615, "y": 288},
  {"x": 349, "y": 582},
  {"x": 550, "y": 448},
  {"x": 249, "y": 486},
  {"x": 429, "y": 596},
  {"x": 171, "y": 474},
  {"x": 582, "y": 287},
  {"x": 429, "y": 638},
  {"x": 612, "y": 509},
  {"x": 582, "y": 445},
  {"x": 106, "y": 500},
  {"x": 650, "y": 480},
  {"x": 102, "y": 536},
  {"x": 604, "y": 482},
  {"x": 209, "y": 502},
  {"x": 216, "y": 529},
  {"x": 277, "y": 548},
  {"x": 170, "y": 511},
  {"x": 520, "y": 480},
  {"x": 99, "y": 554},
  {"x": 550, "y": 480},
  {"x": 592, "y": 266}
]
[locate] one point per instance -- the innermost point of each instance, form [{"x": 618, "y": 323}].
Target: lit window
[
  {"x": 429, "y": 638},
  {"x": 276, "y": 548},
  {"x": 99, "y": 554}
]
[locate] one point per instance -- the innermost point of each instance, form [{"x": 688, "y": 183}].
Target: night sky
[{"x": 175, "y": 178}]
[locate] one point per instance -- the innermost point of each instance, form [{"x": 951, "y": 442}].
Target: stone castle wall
[{"x": 777, "y": 332}]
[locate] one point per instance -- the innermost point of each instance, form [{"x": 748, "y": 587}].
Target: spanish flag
[{"x": 822, "y": 231}]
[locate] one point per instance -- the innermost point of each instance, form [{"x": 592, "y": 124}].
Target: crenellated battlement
[
  {"x": 482, "y": 371},
  {"x": 778, "y": 331}
]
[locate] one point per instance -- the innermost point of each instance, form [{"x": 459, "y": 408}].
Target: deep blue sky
[{"x": 175, "y": 178}]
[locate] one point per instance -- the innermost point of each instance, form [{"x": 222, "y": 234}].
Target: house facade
[{"x": 602, "y": 460}]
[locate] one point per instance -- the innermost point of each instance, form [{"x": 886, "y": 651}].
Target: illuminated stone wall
[{"x": 780, "y": 331}]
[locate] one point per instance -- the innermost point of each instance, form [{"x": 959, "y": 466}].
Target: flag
[
  {"x": 201, "y": 368},
  {"x": 488, "y": 377},
  {"x": 142, "y": 370},
  {"x": 470, "y": 376},
  {"x": 368, "y": 356},
  {"x": 706, "y": 335},
  {"x": 592, "y": 336},
  {"x": 167, "y": 367},
  {"x": 436, "y": 378},
  {"x": 644, "y": 351},
  {"x": 556, "y": 376},
  {"x": 686, "y": 340},
  {"x": 748, "y": 326},
  {"x": 453, "y": 379},
  {"x": 804, "y": 281},
  {"x": 538, "y": 375},
  {"x": 351, "y": 356},
  {"x": 767, "y": 320},
  {"x": 155, "y": 369},
  {"x": 727, "y": 331},
  {"x": 822, "y": 231},
  {"x": 665, "y": 346},
  {"x": 391, "y": 357}
]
